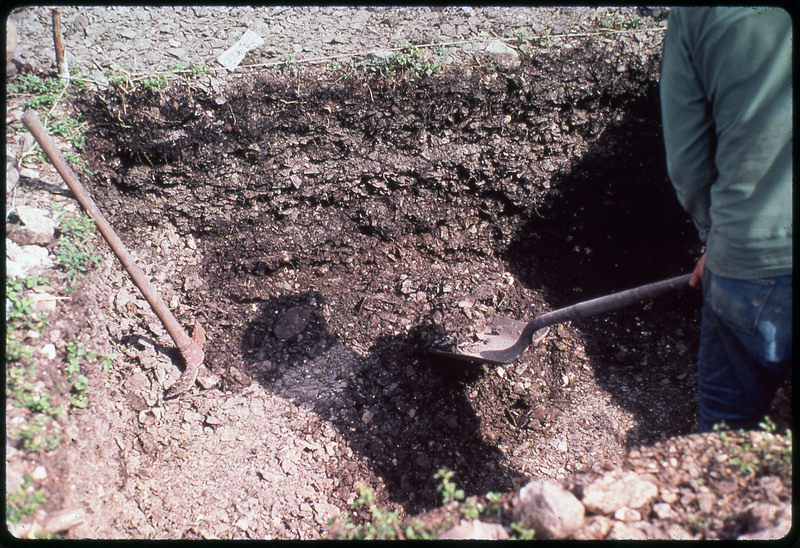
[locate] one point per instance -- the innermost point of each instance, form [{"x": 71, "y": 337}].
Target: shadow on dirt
[
  {"x": 614, "y": 223},
  {"x": 406, "y": 415}
]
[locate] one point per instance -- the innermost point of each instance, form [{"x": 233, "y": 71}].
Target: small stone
[
  {"x": 676, "y": 532},
  {"x": 192, "y": 282},
  {"x": 505, "y": 57},
  {"x": 25, "y": 236},
  {"x": 382, "y": 55},
  {"x": 627, "y": 514},
  {"x": 12, "y": 177},
  {"x": 23, "y": 259},
  {"x": 192, "y": 416},
  {"x": 206, "y": 378},
  {"x": 663, "y": 510},
  {"x": 178, "y": 53},
  {"x": 49, "y": 351},
  {"x": 36, "y": 219},
  {"x": 609, "y": 493},
  {"x": 549, "y": 509},
  {"x": 475, "y": 530},
  {"x": 122, "y": 299},
  {"x": 292, "y": 323},
  {"x": 227, "y": 434},
  {"x": 29, "y": 173},
  {"x": 39, "y": 473},
  {"x": 669, "y": 496},
  {"x": 63, "y": 520},
  {"x": 596, "y": 528},
  {"x": 44, "y": 302},
  {"x": 624, "y": 531},
  {"x": 763, "y": 515}
]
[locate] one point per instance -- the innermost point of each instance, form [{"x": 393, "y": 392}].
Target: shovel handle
[
  {"x": 587, "y": 309},
  {"x": 184, "y": 343}
]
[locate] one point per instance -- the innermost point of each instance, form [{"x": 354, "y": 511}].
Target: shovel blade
[{"x": 499, "y": 335}]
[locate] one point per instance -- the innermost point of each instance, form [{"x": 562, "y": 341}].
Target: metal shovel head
[{"x": 500, "y": 334}]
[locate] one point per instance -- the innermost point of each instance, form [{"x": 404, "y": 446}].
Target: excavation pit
[{"x": 347, "y": 225}]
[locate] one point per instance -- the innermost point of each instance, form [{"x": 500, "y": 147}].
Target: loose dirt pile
[{"x": 328, "y": 230}]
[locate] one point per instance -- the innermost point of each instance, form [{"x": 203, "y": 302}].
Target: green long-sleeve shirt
[{"x": 726, "y": 100}]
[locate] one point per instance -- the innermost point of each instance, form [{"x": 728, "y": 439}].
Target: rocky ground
[{"x": 331, "y": 210}]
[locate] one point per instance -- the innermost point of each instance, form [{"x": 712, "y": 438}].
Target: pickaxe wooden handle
[{"x": 191, "y": 348}]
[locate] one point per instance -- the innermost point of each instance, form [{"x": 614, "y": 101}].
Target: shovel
[
  {"x": 191, "y": 348},
  {"x": 505, "y": 339}
]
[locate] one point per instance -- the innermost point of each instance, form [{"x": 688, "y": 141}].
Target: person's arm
[{"x": 689, "y": 132}]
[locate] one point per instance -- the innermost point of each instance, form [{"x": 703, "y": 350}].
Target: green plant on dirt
[
  {"x": 494, "y": 507},
  {"x": 523, "y": 533},
  {"x": 386, "y": 525},
  {"x": 20, "y": 314},
  {"x": 447, "y": 488},
  {"x": 116, "y": 77},
  {"x": 69, "y": 129},
  {"x": 195, "y": 70},
  {"x": 523, "y": 37},
  {"x": 545, "y": 38},
  {"x": 757, "y": 453},
  {"x": 289, "y": 65},
  {"x": 20, "y": 376},
  {"x": 77, "y": 355},
  {"x": 34, "y": 434},
  {"x": 23, "y": 502},
  {"x": 620, "y": 22},
  {"x": 78, "y": 163},
  {"x": 74, "y": 249},
  {"x": 44, "y": 91},
  {"x": 382, "y": 525},
  {"x": 406, "y": 61},
  {"x": 154, "y": 82}
]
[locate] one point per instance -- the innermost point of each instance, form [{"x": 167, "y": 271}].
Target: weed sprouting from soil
[
  {"x": 75, "y": 251},
  {"x": 77, "y": 355},
  {"x": 24, "y": 501}
]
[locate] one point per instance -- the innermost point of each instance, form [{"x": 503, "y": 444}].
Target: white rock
[
  {"x": 28, "y": 173},
  {"x": 663, "y": 510},
  {"x": 49, "y": 351},
  {"x": 44, "y": 302},
  {"x": 505, "y": 57},
  {"x": 623, "y": 531},
  {"x": 36, "y": 219},
  {"x": 596, "y": 528},
  {"x": 627, "y": 514},
  {"x": 475, "y": 530},
  {"x": 609, "y": 493},
  {"x": 39, "y": 473},
  {"x": 21, "y": 260},
  {"x": 549, "y": 509}
]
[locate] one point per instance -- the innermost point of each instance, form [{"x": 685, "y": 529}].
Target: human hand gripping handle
[{"x": 696, "y": 281}]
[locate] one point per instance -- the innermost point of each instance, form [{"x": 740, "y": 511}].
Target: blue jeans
[{"x": 745, "y": 348}]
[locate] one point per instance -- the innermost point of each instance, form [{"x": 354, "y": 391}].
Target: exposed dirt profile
[{"x": 346, "y": 226}]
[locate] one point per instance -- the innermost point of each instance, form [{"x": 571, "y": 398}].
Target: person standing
[{"x": 726, "y": 106}]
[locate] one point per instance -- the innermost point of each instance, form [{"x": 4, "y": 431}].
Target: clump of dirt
[{"x": 347, "y": 226}]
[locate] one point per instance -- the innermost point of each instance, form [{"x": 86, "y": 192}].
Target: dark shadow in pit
[
  {"x": 405, "y": 414},
  {"x": 614, "y": 223}
]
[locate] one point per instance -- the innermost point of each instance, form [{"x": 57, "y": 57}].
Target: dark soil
[{"x": 393, "y": 216}]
